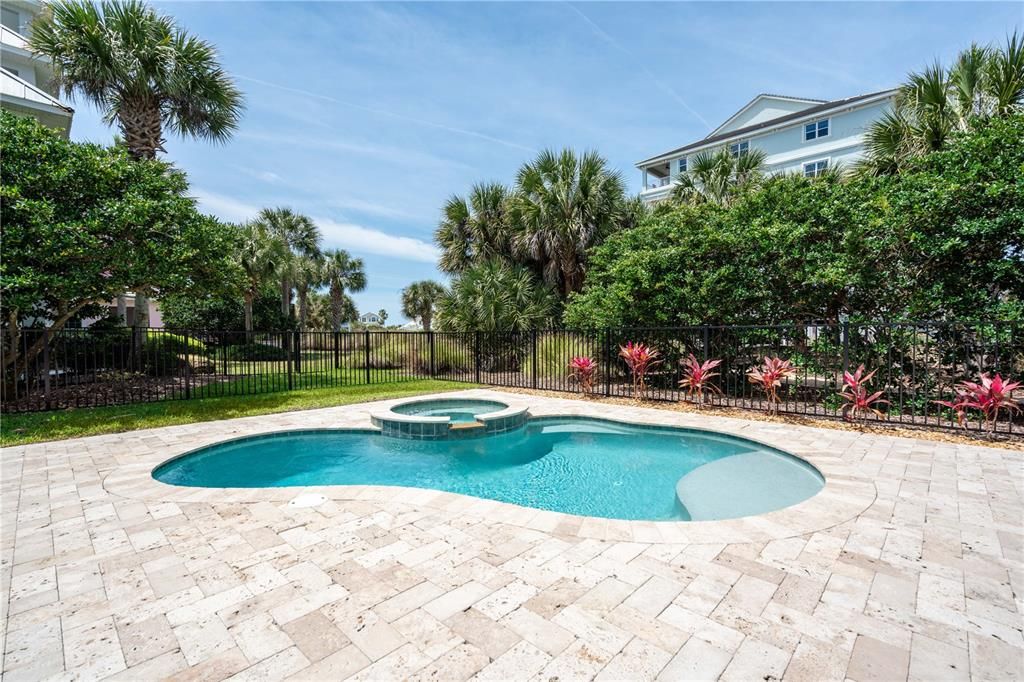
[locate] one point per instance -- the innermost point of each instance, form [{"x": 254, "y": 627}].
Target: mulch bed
[{"x": 1014, "y": 441}]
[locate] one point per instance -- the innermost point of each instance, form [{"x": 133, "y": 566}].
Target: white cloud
[
  {"x": 355, "y": 238},
  {"x": 224, "y": 207},
  {"x": 359, "y": 239}
]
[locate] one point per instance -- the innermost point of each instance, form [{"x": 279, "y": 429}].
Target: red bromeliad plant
[
  {"x": 856, "y": 396},
  {"x": 583, "y": 371},
  {"x": 696, "y": 378},
  {"x": 991, "y": 396},
  {"x": 640, "y": 358},
  {"x": 769, "y": 377}
]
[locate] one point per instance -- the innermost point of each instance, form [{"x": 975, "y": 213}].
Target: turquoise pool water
[
  {"x": 577, "y": 466},
  {"x": 458, "y": 411}
]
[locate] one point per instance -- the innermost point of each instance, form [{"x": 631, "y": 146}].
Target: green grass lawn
[{"x": 19, "y": 429}]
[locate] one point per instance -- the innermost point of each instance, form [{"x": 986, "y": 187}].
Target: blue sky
[{"x": 369, "y": 116}]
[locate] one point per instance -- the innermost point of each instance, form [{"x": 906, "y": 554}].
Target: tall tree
[
  {"x": 933, "y": 104},
  {"x": 259, "y": 255},
  {"x": 301, "y": 237},
  {"x": 420, "y": 299},
  {"x": 383, "y": 315},
  {"x": 342, "y": 273},
  {"x": 718, "y": 176},
  {"x": 563, "y": 205},
  {"x": 474, "y": 228},
  {"x": 129, "y": 223},
  {"x": 143, "y": 72}
]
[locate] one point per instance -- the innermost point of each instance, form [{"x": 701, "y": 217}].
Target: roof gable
[{"x": 764, "y": 107}]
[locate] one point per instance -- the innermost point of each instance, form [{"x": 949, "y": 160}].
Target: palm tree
[
  {"x": 474, "y": 228},
  {"x": 718, "y": 176},
  {"x": 259, "y": 254},
  {"x": 302, "y": 238},
  {"x": 935, "y": 103},
  {"x": 141, "y": 69},
  {"x": 144, "y": 72},
  {"x": 342, "y": 272},
  {"x": 419, "y": 300},
  {"x": 497, "y": 296},
  {"x": 308, "y": 272},
  {"x": 563, "y": 205},
  {"x": 383, "y": 315}
]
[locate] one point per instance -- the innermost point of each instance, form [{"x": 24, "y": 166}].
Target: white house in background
[
  {"x": 26, "y": 80},
  {"x": 370, "y": 318},
  {"x": 797, "y": 135}
]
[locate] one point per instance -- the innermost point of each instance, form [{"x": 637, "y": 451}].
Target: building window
[
  {"x": 816, "y": 129},
  {"x": 813, "y": 169},
  {"x": 10, "y": 19},
  {"x": 739, "y": 149},
  {"x": 10, "y": 70},
  {"x": 682, "y": 165}
]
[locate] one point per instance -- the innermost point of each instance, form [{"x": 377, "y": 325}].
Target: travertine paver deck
[{"x": 907, "y": 566}]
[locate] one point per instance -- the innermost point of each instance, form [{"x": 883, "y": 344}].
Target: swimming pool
[{"x": 582, "y": 466}]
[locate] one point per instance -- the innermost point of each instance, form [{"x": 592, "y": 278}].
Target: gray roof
[{"x": 739, "y": 132}]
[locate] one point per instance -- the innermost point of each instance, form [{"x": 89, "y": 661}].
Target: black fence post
[
  {"x": 188, "y": 367},
  {"x": 366, "y": 353},
  {"x": 533, "y": 379},
  {"x": 433, "y": 360},
  {"x": 337, "y": 349},
  {"x": 290, "y": 360},
  {"x": 607, "y": 362},
  {"x": 46, "y": 367},
  {"x": 845, "y": 331},
  {"x": 297, "y": 349},
  {"x": 476, "y": 356}
]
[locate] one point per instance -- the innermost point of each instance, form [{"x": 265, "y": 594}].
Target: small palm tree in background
[
  {"x": 321, "y": 314},
  {"x": 143, "y": 72},
  {"x": 341, "y": 273},
  {"x": 259, "y": 256},
  {"x": 983, "y": 82},
  {"x": 419, "y": 300},
  {"x": 475, "y": 228},
  {"x": 301, "y": 238},
  {"x": 718, "y": 176},
  {"x": 141, "y": 69},
  {"x": 563, "y": 205}
]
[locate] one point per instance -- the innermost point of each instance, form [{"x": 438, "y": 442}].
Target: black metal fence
[{"x": 917, "y": 363}]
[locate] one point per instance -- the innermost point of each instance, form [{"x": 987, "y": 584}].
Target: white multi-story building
[
  {"x": 26, "y": 86},
  {"x": 797, "y": 135}
]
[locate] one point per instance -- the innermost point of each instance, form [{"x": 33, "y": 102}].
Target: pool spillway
[{"x": 437, "y": 418}]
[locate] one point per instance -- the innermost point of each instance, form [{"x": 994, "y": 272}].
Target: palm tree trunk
[
  {"x": 286, "y": 297},
  {"x": 122, "y": 309},
  {"x": 336, "y": 308},
  {"x": 303, "y": 308},
  {"x": 142, "y": 128},
  {"x": 426, "y": 320},
  {"x": 248, "y": 316}
]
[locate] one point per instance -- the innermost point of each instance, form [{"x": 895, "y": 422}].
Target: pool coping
[{"x": 845, "y": 495}]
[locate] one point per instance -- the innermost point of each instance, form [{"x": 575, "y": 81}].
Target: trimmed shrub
[
  {"x": 448, "y": 358},
  {"x": 255, "y": 352},
  {"x": 178, "y": 342}
]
